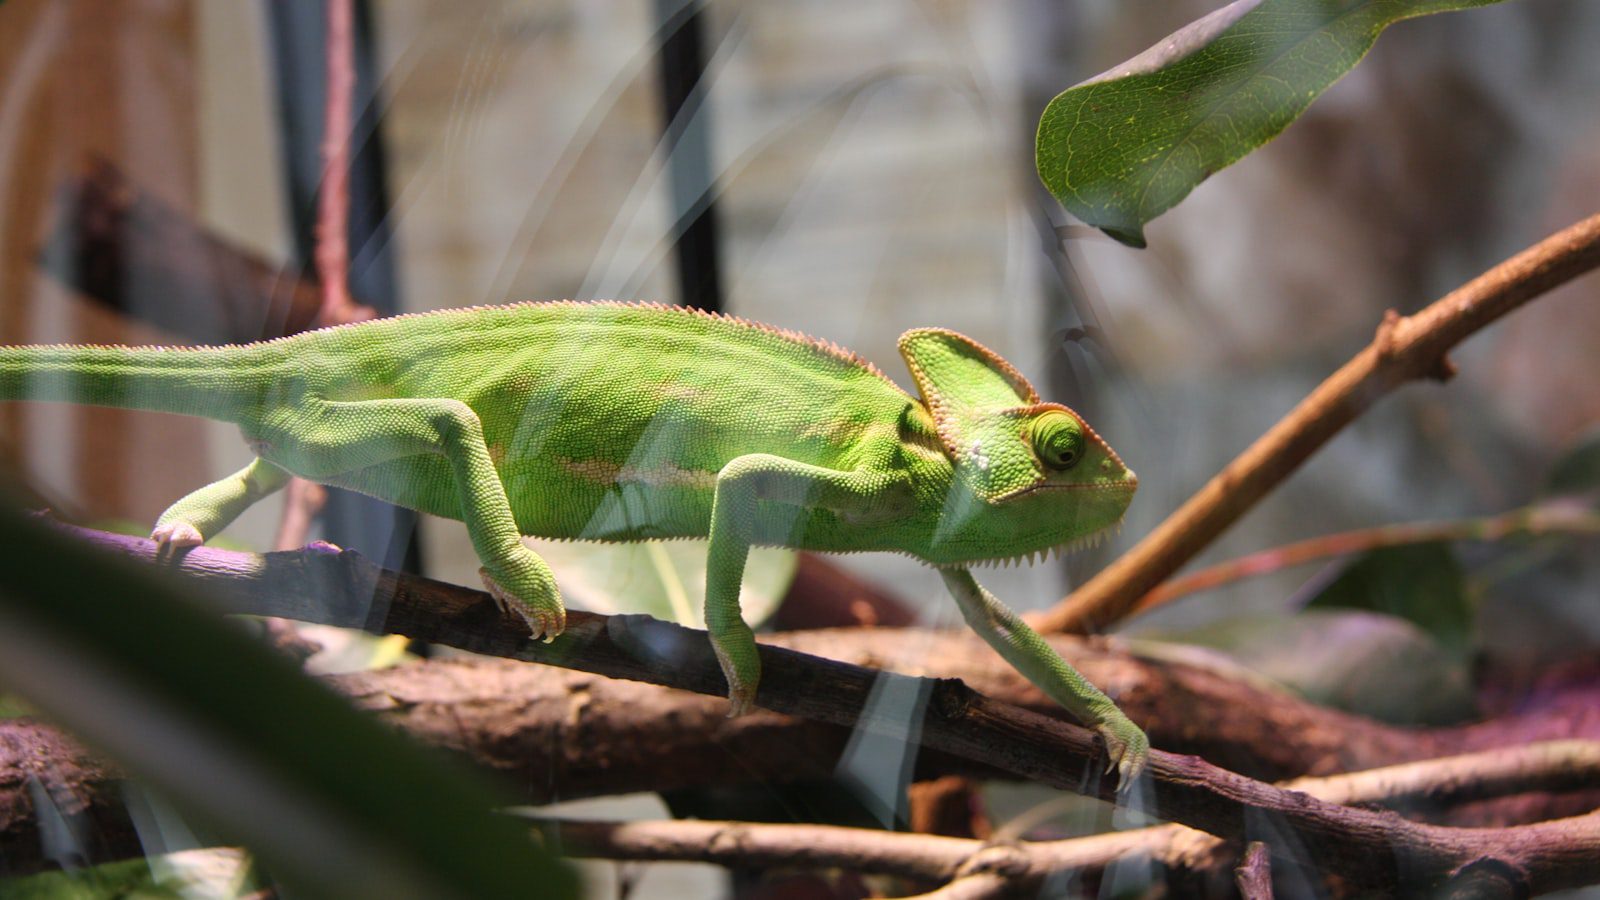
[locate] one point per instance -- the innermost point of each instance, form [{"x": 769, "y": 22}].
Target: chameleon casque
[{"x": 622, "y": 422}]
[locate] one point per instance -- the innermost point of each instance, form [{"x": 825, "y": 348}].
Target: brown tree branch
[
  {"x": 552, "y": 734},
  {"x": 1364, "y": 845},
  {"x": 1406, "y": 348},
  {"x": 111, "y": 234}
]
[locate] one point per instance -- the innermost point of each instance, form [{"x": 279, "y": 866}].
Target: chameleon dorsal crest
[{"x": 979, "y": 403}]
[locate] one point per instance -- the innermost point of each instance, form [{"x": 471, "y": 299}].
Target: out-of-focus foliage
[
  {"x": 220, "y": 872},
  {"x": 1421, "y": 583},
  {"x": 1577, "y": 474},
  {"x": 665, "y": 579},
  {"x": 1370, "y": 663},
  {"x": 233, "y": 734}
]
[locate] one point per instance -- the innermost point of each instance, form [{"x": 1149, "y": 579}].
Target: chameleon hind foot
[
  {"x": 741, "y": 667},
  {"x": 1128, "y": 749},
  {"x": 532, "y": 597},
  {"x": 741, "y": 701}
]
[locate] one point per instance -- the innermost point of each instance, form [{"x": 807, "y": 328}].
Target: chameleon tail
[{"x": 214, "y": 383}]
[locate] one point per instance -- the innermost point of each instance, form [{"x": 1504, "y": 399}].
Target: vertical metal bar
[{"x": 686, "y": 129}]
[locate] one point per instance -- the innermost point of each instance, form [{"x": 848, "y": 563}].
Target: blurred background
[{"x": 848, "y": 170}]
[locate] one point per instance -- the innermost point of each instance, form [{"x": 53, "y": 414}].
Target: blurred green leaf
[
  {"x": 215, "y": 873},
  {"x": 1578, "y": 472},
  {"x": 1421, "y": 583},
  {"x": 335, "y": 804},
  {"x": 664, "y": 579},
  {"x": 1127, "y": 145},
  {"x": 1364, "y": 662}
]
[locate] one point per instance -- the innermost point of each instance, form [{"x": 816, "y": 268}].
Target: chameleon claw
[
  {"x": 741, "y": 703},
  {"x": 175, "y": 537},
  {"x": 543, "y": 624},
  {"x": 1127, "y": 751}
]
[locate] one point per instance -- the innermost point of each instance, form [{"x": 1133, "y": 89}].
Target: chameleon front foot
[
  {"x": 1128, "y": 749},
  {"x": 741, "y": 666},
  {"x": 176, "y": 536},
  {"x": 173, "y": 538},
  {"x": 529, "y": 591}
]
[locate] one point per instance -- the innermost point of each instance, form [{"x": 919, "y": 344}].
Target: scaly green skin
[{"x": 619, "y": 422}]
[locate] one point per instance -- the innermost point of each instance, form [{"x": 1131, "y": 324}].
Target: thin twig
[
  {"x": 1554, "y": 517},
  {"x": 1546, "y": 766},
  {"x": 1254, "y": 875},
  {"x": 333, "y": 200},
  {"x": 304, "y": 500},
  {"x": 342, "y": 588},
  {"x": 1405, "y": 349}
]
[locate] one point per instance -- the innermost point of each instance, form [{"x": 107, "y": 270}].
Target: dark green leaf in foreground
[
  {"x": 334, "y": 804},
  {"x": 1127, "y": 145}
]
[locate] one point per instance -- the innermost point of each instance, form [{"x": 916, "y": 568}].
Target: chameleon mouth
[
  {"x": 1093, "y": 539},
  {"x": 1128, "y": 486}
]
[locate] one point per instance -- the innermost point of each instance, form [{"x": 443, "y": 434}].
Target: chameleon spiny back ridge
[{"x": 621, "y": 422}]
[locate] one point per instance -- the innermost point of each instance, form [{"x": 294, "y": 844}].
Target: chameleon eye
[{"x": 1057, "y": 440}]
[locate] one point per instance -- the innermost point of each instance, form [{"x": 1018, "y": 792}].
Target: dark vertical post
[
  {"x": 686, "y": 128},
  {"x": 299, "y": 42}
]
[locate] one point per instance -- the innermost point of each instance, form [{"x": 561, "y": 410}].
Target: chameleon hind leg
[
  {"x": 735, "y": 513},
  {"x": 331, "y": 438},
  {"x": 1029, "y": 654},
  {"x": 201, "y": 514}
]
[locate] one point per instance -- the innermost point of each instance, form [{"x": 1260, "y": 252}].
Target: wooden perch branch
[
  {"x": 551, "y": 734},
  {"x": 1406, "y": 348},
  {"x": 331, "y": 587}
]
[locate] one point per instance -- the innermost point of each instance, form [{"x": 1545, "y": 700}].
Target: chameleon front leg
[
  {"x": 336, "y": 437},
  {"x": 1028, "y": 653},
  {"x": 735, "y": 512},
  {"x": 200, "y": 515}
]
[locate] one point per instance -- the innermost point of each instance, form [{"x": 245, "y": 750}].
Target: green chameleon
[{"x": 621, "y": 422}]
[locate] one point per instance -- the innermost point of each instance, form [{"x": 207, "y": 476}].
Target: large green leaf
[
  {"x": 1127, "y": 145},
  {"x": 333, "y": 803}
]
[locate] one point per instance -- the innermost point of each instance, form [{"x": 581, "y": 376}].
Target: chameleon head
[{"x": 1029, "y": 476}]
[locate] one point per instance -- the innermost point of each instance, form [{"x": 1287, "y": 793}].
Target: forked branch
[{"x": 1406, "y": 348}]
